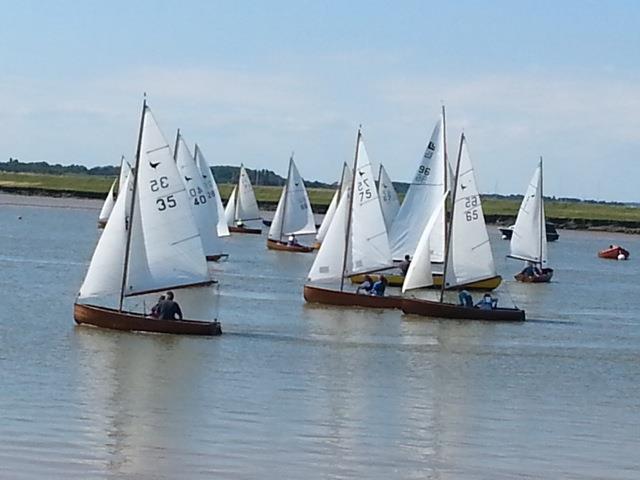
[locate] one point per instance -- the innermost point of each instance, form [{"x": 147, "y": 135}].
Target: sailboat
[
  {"x": 212, "y": 191},
  {"x": 529, "y": 239},
  {"x": 116, "y": 187},
  {"x": 468, "y": 253},
  {"x": 345, "y": 183},
  {"x": 201, "y": 200},
  {"x": 150, "y": 244},
  {"x": 388, "y": 197},
  {"x": 356, "y": 242},
  {"x": 293, "y": 214},
  {"x": 242, "y": 206}
]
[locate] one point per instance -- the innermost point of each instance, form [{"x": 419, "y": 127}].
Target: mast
[
  {"x": 125, "y": 270},
  {"x": 453, "y": 206},
  {"x": 446, "y": 168},
  {"x": 379, "y": 175},
  {"x": 286, "y": 194},
  {"x": 541, "y": 214},
  {"x": 348, "y": 229},
  {"x": 175, "y": 148}
]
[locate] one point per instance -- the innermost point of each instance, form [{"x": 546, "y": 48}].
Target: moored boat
[{"x": 614, "y": 252}]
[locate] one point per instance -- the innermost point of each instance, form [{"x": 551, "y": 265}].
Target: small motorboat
[
  {"x": 552, "y": 233},
  {"x": 614, "y": 252}
]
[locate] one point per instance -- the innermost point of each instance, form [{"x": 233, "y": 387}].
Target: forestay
[
  {"x": 211, "y": 186},
  {"x": 202, "y": 200},
  {"x": 529, "y": 239},
  {"x": 469, "y": 258},
  {"x": 247, "y": 205},
  {"x": 388, "y": 198},
  {"x": 293, "y": 214},
  {"x": 424, "y": 193},
  {"x": 166, "y": 250},
  {"x": 419, "y": 274}
]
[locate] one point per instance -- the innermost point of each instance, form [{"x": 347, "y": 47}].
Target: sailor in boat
[
  {"x": 487, "y": 302},
  {"x": 465, "y": 299},
  {"x": 404, "y": 265},
  {"x": 169, "y": 308},
  {"x": 531, "y": 270},
  {"x": 366, "y": 285},
  {"x": 292, "y": 242},
  {"x": 379, "y": 286},
  {"x": 155, "y": 310}
]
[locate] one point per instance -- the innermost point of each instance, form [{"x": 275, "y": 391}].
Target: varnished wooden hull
[
  {"x": 275, "y": 245},
  {"x": 428, "y": 308},
  {"x": 326, "y": 296},
  {"x": 397, "y": 280},
  {"x": 545, "y": 277},
  {"x": 135, "y": 322},
  {"x": 256, "y": 231}
]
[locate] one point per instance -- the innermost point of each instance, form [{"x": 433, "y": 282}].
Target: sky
[{"x": 251, "y": 81}]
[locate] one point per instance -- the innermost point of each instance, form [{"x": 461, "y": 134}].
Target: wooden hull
[
  {"x": 316, "y": 245},
  {"x": 217, "y": 258},
  {"x": 256, "y": 231},
  {"x": 429, "y": 308},
  {"x": 397, "y": 280},
  {"x": 545, "y": 277},
  {"x": 102, "y": 223},
  {"x": 613, "y": 253},
  {"x": 348, "y": 299},
  {"x": 135, "y": 322},
  {"x": 283, "y": 247}
]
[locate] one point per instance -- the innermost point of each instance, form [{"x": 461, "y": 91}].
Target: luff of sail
[
  {"x": 424, "y": 193},
  {"x": 212, "y": 189},
  {"x": 469, "y": 258},
  {"x": 293, "y": 214},
  {"x": 388, "y": 198},
  {"x": 166, "y": 250},
  {"x": 201, "y": 200},
  {"x": 529, "y": 239},
  {"x": 419, "y": 274}
]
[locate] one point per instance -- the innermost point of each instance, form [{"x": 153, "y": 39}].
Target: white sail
[
  {"x": 369, "y": 243},
  {"x": 212, "y": 191},
  {"x": 109, "y": 202},
  {"x": 529, "y": 239},
  {"x": 345, "y": 182},
  {"x": 388, "y": 198},
  {"x": 423, "y": 195},
  {"x": 201, "y": 200},
  {"x": 125, "y": 169},
  {"x": 469, "y": 257},
  {"x": 230, "y": 209},
  {"x": 246, "y": 205},
  {"x": 104, "y": 275},
  {"x": 166, "y": 250},
  {"x": 328, "y": 264},
  {"x": 419, "y": 274},
  {"x": 293, "y": 215}
]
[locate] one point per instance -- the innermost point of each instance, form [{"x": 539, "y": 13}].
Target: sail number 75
[{"x": 364, "y": 191}]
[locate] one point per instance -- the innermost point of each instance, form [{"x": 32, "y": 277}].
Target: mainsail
[
  {"x": 230, "y": 209},
  {"x": 246, "y": 204},
  {"x": 424, "y": 193},
  {"x": 469, "y": 257},
  {"x": 388, "y": 198},
  {"x": 293, "y": 215}
]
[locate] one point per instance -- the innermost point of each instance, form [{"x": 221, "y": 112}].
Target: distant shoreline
[{"x": 49, "y": 198}]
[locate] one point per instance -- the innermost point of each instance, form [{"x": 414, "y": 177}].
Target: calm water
[{"x": 298, "y": 391}]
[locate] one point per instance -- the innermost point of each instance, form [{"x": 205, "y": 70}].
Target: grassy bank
[{"x": 568, "y": 214}]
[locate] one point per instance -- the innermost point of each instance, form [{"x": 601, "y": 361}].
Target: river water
[{"x": 299, "y": 391}]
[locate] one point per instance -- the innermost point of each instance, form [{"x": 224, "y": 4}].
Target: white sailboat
[
  {"x": 356, "y": 241},
  {"x": 529, "y": 239},
  {"x": 345, "y": 182},
  {"x": 293, "y": 215},
  {"x": 468, "y": 256},
  {"x": 110, "y": 200},
  {"x": 212, "y": 189},
  {"x": 151, "y": 243},
  {"x": 388, "y": 197},
  {"x": 425, "y": 191},
  {"x": 201, "y": 199},
  {"x": 242, "y": 211}
]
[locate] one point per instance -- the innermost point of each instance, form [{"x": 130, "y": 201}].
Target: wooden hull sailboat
[
  {"x": 428, "y": 308},
  {"x": 103, "y": 317},
  {"x": 544, "y": 277},
  {"x": 255, "y": 231},
  {"x": 397, "y": 281},
  {"x": 313, "y": 294},
  {"x": 285, "y": 247}
]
